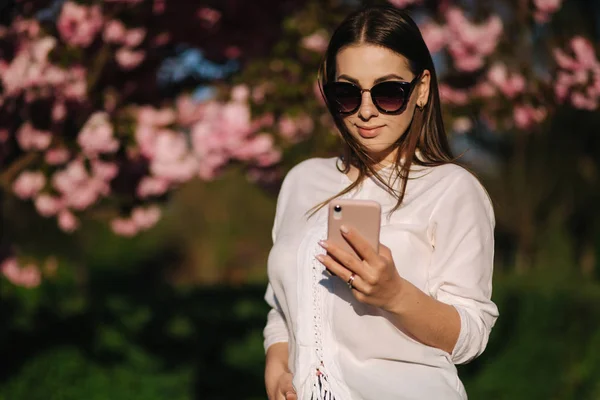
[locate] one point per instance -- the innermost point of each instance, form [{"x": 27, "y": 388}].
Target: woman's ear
[{"x": 423, "y": 89}]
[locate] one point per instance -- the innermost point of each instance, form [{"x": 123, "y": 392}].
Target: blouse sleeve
[
  {"x": 275, "y": 330},
  {"x": 460, "y": 274}
]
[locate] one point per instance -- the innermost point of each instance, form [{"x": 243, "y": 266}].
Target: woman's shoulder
[
  {"x": 451, "y": 174},
  {"x": 461, "y": 186}
]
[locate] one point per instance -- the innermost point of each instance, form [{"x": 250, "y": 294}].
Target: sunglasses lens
[
  {"x": 389, "y": 96},
  {"x": 344, "y": 96}
]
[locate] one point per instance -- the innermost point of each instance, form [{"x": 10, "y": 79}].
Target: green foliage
[
  {"x": 64, "y": 373},
  {"x": 544, "y": 345},
  {"x": 157, "y": 343}
]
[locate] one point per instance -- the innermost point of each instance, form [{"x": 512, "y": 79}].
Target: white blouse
[{"x": 441, "y": 240}]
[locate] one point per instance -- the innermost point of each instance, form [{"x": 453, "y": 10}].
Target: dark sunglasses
[{"x": 390, "y": 97}]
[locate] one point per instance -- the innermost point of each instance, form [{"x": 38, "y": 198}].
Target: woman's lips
[{"x": 368, "y": 132}]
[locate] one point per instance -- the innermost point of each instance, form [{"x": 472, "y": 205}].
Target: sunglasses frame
[{"x": 408, "y": 88}]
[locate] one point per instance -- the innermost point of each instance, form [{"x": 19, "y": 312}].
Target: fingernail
[
  {"x": 320, "y": 257},
  {"x": 344, "y": 229},
  {"x": 323, "y": 244}
]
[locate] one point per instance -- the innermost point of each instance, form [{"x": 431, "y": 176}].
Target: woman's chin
[{"x": 378, "y": 150}]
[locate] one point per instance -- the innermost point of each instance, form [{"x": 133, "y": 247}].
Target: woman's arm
[
  {"x": 424, "y": 318},
  {"x": 278, "y": 378}
]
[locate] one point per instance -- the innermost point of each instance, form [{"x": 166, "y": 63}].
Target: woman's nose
[{"x": 367, "y": 109}]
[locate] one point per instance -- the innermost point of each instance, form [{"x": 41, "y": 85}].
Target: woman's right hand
[
  {"x": 283, "y": 388},
  {"x": 278, "y": 378}
]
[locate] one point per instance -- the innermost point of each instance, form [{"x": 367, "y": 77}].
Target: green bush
[{"x": 207, "y": 344}]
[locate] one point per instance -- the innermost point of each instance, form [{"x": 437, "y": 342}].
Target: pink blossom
[
  {"x": 4, "y": 135},
  {"x": 544, "y": 8},
  {"x": 579, "y": 100},
  {"x": 584, "y": 52},
  {"x": 86, "y": 194},
  {"x": 208, "y": 16},
  {"x": 76, "y": 90},
  {"x": 124, "y": 227},
  {"x": 484, "y": 89},
  {"x": 511, "y": 85},
  {"x": 114, "y": 32},
  {"x": 172, "y": 159},
  {"x": 145, "y": 137},
  {"x": 585, "y": 57},
  {"x": 269, "y": 158},
  {"x": 129, "y": 59},
  {"x": 57, "y": 156},
  {"x": 41, "y": 48},
  {"x": 575, "y": 75},
  {"x": 96, "y": 136},
  {"x": 27, "y": 277},
  {"x": 265, "y": 120},
  {"x": 526, "y": 116},
  {"x": 59, "y": 111},
  {"x": 468, "y": 63},
  {"x": 188, "y": 110},
  {"x": 236, "y": 118},
  {"x": 454, "y": 96},
  {"x": 469, "y": 43},
  {"x": 158, "y": 7},
  {"x": 134, "y": 37},
  {"x": 147, "y": 115},
  {"x": 161, "y": 39},
  {"x": 462, "y": 125},
  {"x": 105, "y": 171},
  {"x": 258, "y": 94},
  {"x": 435, "y": 36},
  {"x": 67, "y": 221},
  {"x": 27, "y": 27},
  {"x": 240, "y": 93},
  {"x": 152, "y": 186},
  {"x": 145, "y": 218},
  {"x": 210, "y": 165},
  {"x": 287, "y": 127},
  {"x": 67, "y": 179},
  {"x": 548, "y": 6},
  {"x": 259, "y": 148},
  {"x": 78, "y": 25},
  {"x": 150, "y": 120},
  {"x": 78, "y": 188},
  {"x": 295, "y": 129},
  {"x": 47, "y": 205},
  {"x": 28, "y": 184},
  {"x": 316, "y": 42},
  {"x": 403, "y": 3},
  {"x": 30, "y": 138}
]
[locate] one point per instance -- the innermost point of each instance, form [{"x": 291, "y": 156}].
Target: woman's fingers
[
  {"x": 342, "y": 272},
  {"x": 360, "y": 245},
  {"x": 291, "y": 396},
  {"x": 347, "y": 260},
  {"x": 286, "y": 387}
]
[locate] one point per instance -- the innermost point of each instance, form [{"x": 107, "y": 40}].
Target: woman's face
[{"x": 366, "y": 65}]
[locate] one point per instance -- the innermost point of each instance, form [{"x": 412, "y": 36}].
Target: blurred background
[{"x": 142, "y": 145}]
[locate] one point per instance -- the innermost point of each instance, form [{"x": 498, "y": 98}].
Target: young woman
[{"x": 392, "y": 324}]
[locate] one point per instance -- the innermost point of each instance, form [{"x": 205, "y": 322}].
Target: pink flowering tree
[{"x": 105, "y": 109}]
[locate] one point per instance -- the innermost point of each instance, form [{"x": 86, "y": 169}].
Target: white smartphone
[{"x": 362, "y": 215}]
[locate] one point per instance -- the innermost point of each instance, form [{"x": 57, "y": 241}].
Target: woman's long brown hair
[{"x": 393, "y": 29}]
